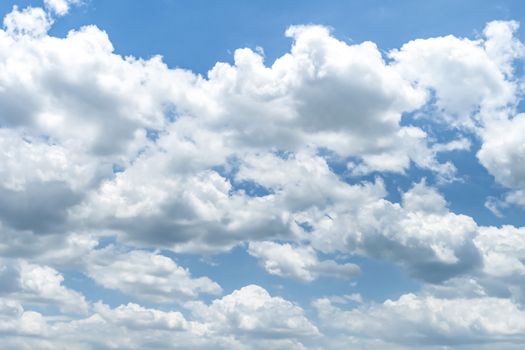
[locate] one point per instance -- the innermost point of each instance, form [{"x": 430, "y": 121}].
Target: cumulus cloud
[
  {"x": 251, "y": 311},
  {"x": 244, "y": 156},
  {"x": 476, "y": 88},
  {"x": 17, "y": 323},
  {"x": 433, "y": 243},
  {"x": 148, "y": 276},
  {"x": 31, "y": 21},
  {"x": 503, "y": 154},
  {"x": 59, "y": 250},
  {"x": 425, "y": 320},
  {"x": 503, "y": 249},
  {"x": 93, "y": 122},
  {"x": 198, "y": 212},
  {"x": 37, "y": 284},
  {"x": 503, "y": 271},
  {"x": 324, "y": 92},
  {"x": 106, "y": 111},
  {"x": 126, "y": 326},
  {"x": 469, "y": 77},
  {"x": 209, "y": 214},
  {"x": 60, "y": 7},
  {"x": 300, "y": 263},
  {"x": 54, "y": 162},
  {"x": 247, "y": 318}
]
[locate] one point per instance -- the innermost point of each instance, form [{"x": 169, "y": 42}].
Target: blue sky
[
  {"x": 245, "y": 175},
  {"x": 201, "y": 33}
]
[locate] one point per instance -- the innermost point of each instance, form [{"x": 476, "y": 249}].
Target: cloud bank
[{"x": 285, "y": 161}]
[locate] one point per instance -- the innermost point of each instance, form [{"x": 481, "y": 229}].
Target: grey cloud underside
[
  {"x": 87, "y": 110},
  {"x": 40, "y": 208}
]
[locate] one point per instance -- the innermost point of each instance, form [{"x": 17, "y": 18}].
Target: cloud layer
[{"x": 289, "y": 162}]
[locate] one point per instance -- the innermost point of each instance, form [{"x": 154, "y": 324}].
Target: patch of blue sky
[
  {"x": 474, "y": 186},
  {"x": 520, "y": 108},
  {"x": 49, "y": 309},
  {"x": 117, "y": 168},
  {"x": 249, "y": 187},
  {"x": 106, "y": 241},
  {"x": 196, "y": 34},
  {"x": 468, "y": 195},
  {"x": 378, "y": 280},
  {"x": 171, "y": 112},
  {"x": 152, "y": 134}
]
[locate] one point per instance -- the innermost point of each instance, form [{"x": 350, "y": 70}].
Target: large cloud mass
[{"x": 287, "y": 162}]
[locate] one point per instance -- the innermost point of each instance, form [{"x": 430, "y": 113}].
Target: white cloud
[
  {"x": 14, "y": 320},
  {"x": 324, "y": 93},
  {"x": 41, "y": 181},
  {"x": 503, "y": 154},
  {"x": 148, "y": 276},
  {"x": 421, "y": 198},
  {"x": 188, "y": 188},
  {"x": 41, "y": 285},
  {"x": 475, "y": 87},
  {"x": 423, "y": 235},
  {"x": 502, "y": 45},
  {"x": 59, "y": 250},
  {"x": 300, "y": 263},
  {"x": 503, "y": 250},
  {"x": 247, "y": 319},
  {"x": 103, "y": 113},
  {"x": 42, "y": 162},
  {"x": 91, "y": 121},
  {"x": 467, "y": 76},
  {"x": 31, "y": 21},
  {"x": 134, "y": 316},
  {"x": 426, "y": 320},
  {"x": 252, "y": 312},
  {"x": 127, "y": 326},
  {"x": 60, "y": 7}
]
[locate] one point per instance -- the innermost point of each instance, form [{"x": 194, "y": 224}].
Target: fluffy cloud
[
  {"x": 31, "y": 21},
  {"x": 252, "y": 312},
  {"x": 134, "y": 316},
  {"x": 425, "y": 320},
  {"x": 127, "y": 326},
  {"x": 148, "y": 276},
  {"x": 503, "y": 271},
  {"x": 324, "y": 93},
  {"x": 503, "y": 249},
  {"x": 17, "y": 323},
  {"x": 366, "y": 96},
  {"x": 106, "y": 111},
  {"x": 503, "y": 154},
  {"x": 56, "y": 250},
  {"x": 60, "y": 7},
  {"x": 92, "y": 122},
  {"x": 469, "y": 77},
  {"x": 165, "y": 158},
  {"x": 300, "y": 263},
  {"x": 301, "y": 189},
  {"x": 191, "y": 213},
  {"x": 475, "y": 87},
  {"x": 246, "y": 319},
  {"x": 41, "y": 285},
  {"x": 43, "y": 162},
  {"x": 421, "y": 234}
]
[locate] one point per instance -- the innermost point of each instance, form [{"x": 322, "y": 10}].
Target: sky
[{"x": 262, "y": 175}]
